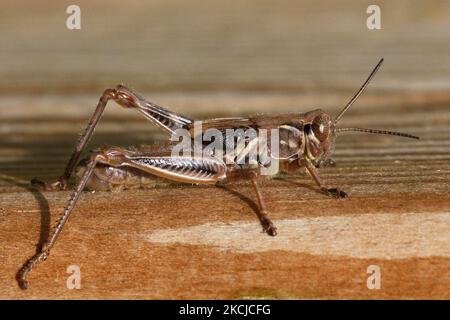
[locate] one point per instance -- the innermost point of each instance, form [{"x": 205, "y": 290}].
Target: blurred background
[
  {"x": 225, "y": 58},
  {"x": 221, "y": 45}
]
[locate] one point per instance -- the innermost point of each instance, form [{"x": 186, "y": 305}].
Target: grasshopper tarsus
[
  {"x": 326, "y": 163},
  {"x": 335, "y": 193},
  {"x": 269, "y": 227},
  {"x": 22, "y": 274},
  {"x": 23, "y": 283}
]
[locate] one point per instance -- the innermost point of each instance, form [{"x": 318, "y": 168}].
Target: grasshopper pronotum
[{"x": 305, "y": 140}]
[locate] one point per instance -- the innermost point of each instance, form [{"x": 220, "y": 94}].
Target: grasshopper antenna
[
  {"x": 356, "y": 96},
  {"x": 392, "y": 133}
]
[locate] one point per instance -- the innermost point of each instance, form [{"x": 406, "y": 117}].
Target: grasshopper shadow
[
  {"x": 295, "y": 183},
  {"x": 44, "y": 211},
  {"x": 251, "y": 203},
  {"x": 44, "y": 208}
]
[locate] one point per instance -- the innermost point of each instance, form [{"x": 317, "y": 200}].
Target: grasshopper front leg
[
  {"x": 167, "y": 120},
  {"x": 334, "y": 192}
]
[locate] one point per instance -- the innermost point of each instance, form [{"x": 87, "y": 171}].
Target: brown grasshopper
[{"x": 305, "y": 140}]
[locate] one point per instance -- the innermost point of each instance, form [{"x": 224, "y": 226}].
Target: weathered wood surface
[
  {"x": 205, "y": 242},
  {"x": 215, "y": 60}
]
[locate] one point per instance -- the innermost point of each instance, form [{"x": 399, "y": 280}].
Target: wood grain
[
  {"x": 211, "y": 59},
  {"x": 151, "y": 243}
]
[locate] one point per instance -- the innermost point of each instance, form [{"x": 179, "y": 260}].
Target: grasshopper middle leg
[
  {"x": 266, "y": 223},
  {"x": 334, "y": 192}
]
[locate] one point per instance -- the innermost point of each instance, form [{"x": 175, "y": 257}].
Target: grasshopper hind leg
[
  {"x": 167, "y": 120},
  {"x": 182, "y": 169},
  {"x": 116, "y": 179}
]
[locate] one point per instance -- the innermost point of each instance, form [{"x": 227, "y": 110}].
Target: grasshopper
[{"x": 305, "y": 141}]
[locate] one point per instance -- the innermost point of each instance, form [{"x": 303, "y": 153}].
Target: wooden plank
[
  {"x": 208, "y": 59},
  {"x": 175, "y": 242}
]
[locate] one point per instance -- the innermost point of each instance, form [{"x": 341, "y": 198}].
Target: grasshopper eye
[{"x": 321, "y": 126}]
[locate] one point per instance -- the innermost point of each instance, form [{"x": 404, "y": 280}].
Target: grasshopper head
[
  {"x": 320, "y": 129},
  {"x": 319, "y": 133}
]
